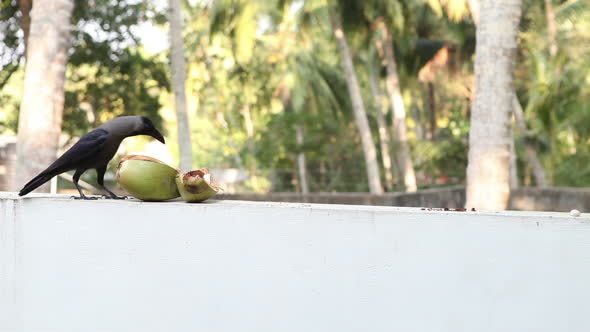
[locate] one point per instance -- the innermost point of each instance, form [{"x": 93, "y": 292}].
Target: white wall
[{"x": 236, "y": 266}]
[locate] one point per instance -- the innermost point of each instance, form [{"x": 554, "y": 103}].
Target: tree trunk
[
  {"x": 178, "y": 63},
  {"x": 531, "y": 152},
  {"x": 300, "y": 138},
  {"x": 42, "y": 103},
  {"x": 249, "y": 126},
  {"x": 551, "y": 27},
  {"x": 384, "y": 138},
  {"x": 474, "y": 9},
  {"x": 417, "y": 118},
  {"x": 357, "y": 105},
  {"x": 432, "y": 107},
  {"x": 488, "y": 170},
  {"x": 513, "y": 166},
  {"x": 403, "y": 157},
  {"x": 25, "y": 7},
  {"x": 301, "y": 167}
]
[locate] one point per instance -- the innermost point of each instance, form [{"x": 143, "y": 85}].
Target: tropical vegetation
[{"x": 322, "y": 95}]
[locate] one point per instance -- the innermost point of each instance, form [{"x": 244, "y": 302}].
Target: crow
[{"x": 95, "y": 150}]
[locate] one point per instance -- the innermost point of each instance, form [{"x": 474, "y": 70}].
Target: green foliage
[
  {"x": 11, "y": 53},
  {"x": 446, "y": 158},
  {"x": 8, "y": 116},
  {"x": 238, "y": 19},
  {"x": 11, "y": 48},
  {"x": 554, "y": 91},
  {"x": 130, "y": 86},
  {"x": 108, "y": 74},
  {"x": 258, "y": 71},
  {"x": 296, "y": 52}
]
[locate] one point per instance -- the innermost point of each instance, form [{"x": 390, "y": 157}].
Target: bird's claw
[
  {"x": 114, "y": 197},
  {"x": 84, "y": 198}
]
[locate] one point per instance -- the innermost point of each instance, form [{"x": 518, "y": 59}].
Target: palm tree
[
  {"x": 474, "y": 9},
  {"x": 400, "y": 130},
  {"x": 531, "y": 152},
  {"x": 358, "y": 106},
  {"x": 285, "y": 92},
  {"x": 387, "y": 16},
  {"x": 43, "y": 98},
  {"x": 381, "y": 112},
  {"x": 178, "y": 64},
  {"x": 551, "y": 27},
  {"x": 490, "y": 135},
  {"x": 298, "y": 77},
  {"x": 25, "y": 20}
]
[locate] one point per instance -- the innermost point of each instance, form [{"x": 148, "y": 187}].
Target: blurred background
[{"x": 300, "y": 96}]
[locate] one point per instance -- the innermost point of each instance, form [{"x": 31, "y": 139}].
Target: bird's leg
[
  {"x": 100, "y": 179},
  {"x": 76, "y": 178}
]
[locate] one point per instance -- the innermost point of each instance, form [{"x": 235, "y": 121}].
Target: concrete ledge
[{"x": 130, "y": 266}]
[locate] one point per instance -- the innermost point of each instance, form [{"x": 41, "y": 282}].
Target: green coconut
[
  {"x": 197, "y": 186},
  {"x": 147, "y": 178}
]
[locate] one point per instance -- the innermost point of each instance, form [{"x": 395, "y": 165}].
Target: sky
[{"x": 154, "y": 38}]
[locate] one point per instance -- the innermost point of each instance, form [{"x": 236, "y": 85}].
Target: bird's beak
[{"x": 157, "y": 135}]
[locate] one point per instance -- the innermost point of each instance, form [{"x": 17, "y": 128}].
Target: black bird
[{"x": 95, "y": 150}]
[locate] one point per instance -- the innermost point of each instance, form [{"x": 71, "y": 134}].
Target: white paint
[{"x": 69, "y": 266}]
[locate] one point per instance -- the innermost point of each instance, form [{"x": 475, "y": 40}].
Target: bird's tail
[{"x": 36, "y": 182}]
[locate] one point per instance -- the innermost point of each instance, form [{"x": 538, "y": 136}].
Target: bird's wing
[{"x": 85, "y": 148}]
